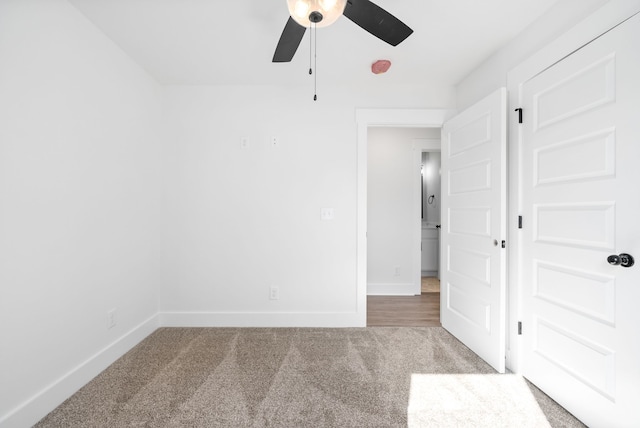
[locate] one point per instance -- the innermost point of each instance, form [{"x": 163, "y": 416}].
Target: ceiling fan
[{"x": 321, "y": 13}]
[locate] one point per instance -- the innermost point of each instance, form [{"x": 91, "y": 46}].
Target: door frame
[
  {"x": 604, "y": 19},
  {"x": 366, "y": 118},
  {"x": 420, "y": 147}
]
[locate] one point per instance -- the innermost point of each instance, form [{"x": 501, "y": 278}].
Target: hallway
[{"x": 406, "y": 311}]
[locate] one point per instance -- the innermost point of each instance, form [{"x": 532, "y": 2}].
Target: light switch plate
[{"x": 326, "y": 214}]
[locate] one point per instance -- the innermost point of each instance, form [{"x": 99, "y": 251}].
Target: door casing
[{"x": 365, "y": 118}]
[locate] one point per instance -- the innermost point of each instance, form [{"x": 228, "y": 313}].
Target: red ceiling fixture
[{"x": 380, "y": 66}]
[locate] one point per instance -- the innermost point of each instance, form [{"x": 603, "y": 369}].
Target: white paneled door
[
  {"x": 474, "y": 228},
  {"x": 581, "y": 204}
]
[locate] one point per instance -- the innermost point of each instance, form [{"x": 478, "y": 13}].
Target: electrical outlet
[
  {"x": 111, "y": 319},
  {"x": 274, "y": 293},
  {"x": 396, "y": 271},
  {"x": 274, "y": 142},
  {"x": 244, "y": 143}
]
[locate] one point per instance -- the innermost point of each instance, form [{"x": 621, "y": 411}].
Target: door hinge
[
  {"x": 519, "y": 110},
  {"x": 519, "y": 222},
  {"x": 520, "y": 327},
  {"x": 504, "y": 244}
]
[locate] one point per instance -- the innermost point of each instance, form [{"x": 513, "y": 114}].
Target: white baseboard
[
  {"x": 263, "y": 319},
  {"x": 402, "y": 289},
  {"x": 52, "y": 396},
  {"x": 430, "y": 273}
]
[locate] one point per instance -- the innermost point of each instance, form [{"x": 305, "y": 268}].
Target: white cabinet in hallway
[{"x": 430, "y": 250}]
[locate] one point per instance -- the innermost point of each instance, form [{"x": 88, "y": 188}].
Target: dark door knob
[{"x": 624, "y": 260}]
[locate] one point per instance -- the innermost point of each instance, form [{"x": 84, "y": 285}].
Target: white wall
[
  {"x": 492, "y": 74},
  {"x": 248, "y": 219},
  {"x": 83, "y": 218},
  {"x": 432, "y": 185},
  {"x": 118, "y": 193},
  {"x": 80, "y": 197},
  {"x": 392, "y": 227}
]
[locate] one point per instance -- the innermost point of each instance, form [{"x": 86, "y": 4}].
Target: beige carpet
[
  {"x": 208, "y": 377},
  {"x": 486, "y": 401}
]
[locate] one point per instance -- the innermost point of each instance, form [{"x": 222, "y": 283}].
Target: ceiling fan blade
[
  {"x": 289, "y": 41},
  {"x": 377, "y": 21}
]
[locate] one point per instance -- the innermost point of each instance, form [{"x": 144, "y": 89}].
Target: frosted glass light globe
[{"x": 331, "y": 10}]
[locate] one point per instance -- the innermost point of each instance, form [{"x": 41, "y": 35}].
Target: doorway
[
  {"x": 396, "y": 215},
  {"x": 404, "y": 305},
  {"x": 430, "y": 217},
  {"x": 366, "y": 118}
]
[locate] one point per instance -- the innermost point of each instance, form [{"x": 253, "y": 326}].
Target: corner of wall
[
  {"x": 492, "y": 73},
  {"x": 37, "y": 407}
]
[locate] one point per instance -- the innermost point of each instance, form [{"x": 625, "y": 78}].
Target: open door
[
  {"x": 581, "y": 289},
  {"x": 473, "y": 233}
]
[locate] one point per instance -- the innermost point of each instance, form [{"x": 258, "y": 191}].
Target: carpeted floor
[{"x": 217, "y": 377}]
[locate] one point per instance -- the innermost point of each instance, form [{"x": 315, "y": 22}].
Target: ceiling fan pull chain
[
  {"x": 315, "y": 64},
  {"x": 310, "y": 50}
]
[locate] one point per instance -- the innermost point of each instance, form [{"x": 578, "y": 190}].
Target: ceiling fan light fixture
[
  {"x": 329, "y": 10},
  {"x": 301, "y": 9}
]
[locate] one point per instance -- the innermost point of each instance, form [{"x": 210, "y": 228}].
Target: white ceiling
[{"x": 198, "y": 42}]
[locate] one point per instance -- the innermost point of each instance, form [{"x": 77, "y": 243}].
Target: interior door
[
  {"x": 473, "y": 229},
  {"x": 581, "y": 204}
]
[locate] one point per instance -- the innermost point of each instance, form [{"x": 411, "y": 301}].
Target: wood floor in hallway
[{"x": 405, "y": 311}]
